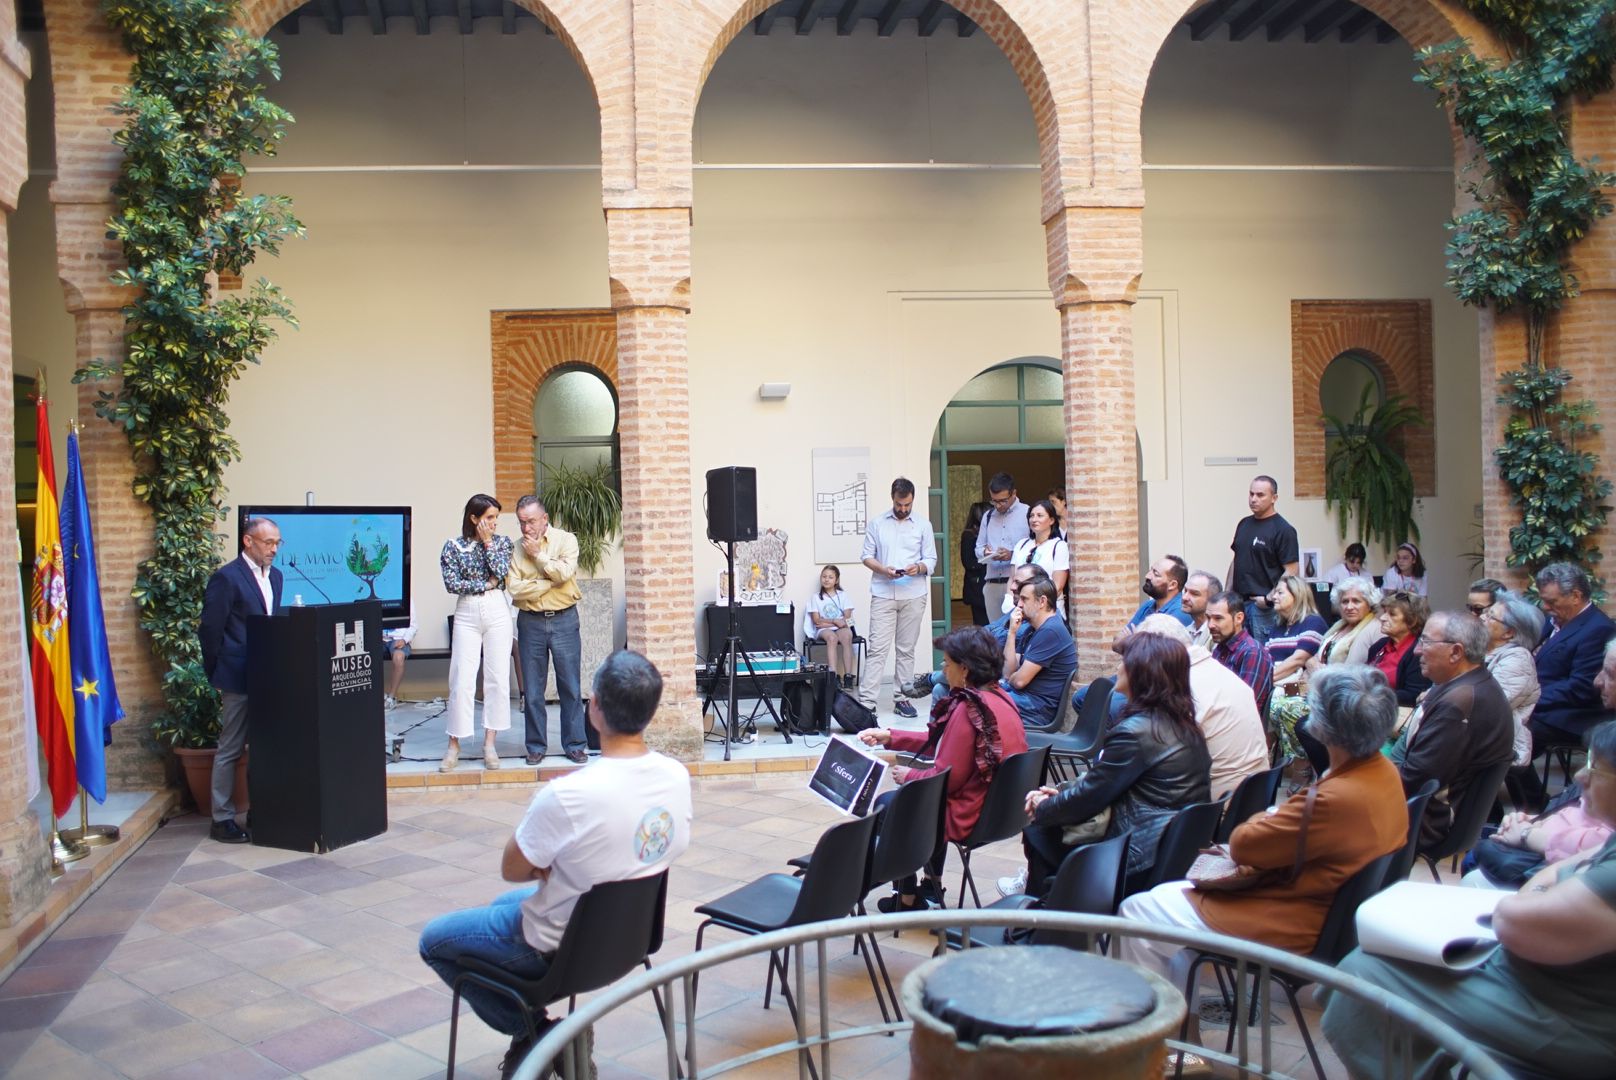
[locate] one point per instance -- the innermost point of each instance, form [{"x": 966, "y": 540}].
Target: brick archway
[
  {"x": 527, "y": 346},
  {"x": 1395, "y": 335}
]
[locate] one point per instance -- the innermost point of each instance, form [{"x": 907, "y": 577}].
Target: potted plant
[
  {"x": 190, "y": 726},
  {"x": 1365, "y": 475}
]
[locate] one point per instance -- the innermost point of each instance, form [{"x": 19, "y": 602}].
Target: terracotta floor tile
[
  {"x": 373, "y": 892},
  {"x": 398, "y": 865},
  {"x": 32, "y": 1013},
  {"x": 191, "y": 913},
  {"x": 179, "y": 974},
  {"x": 310, "y": 910},
  {"x": 108, "y": 993},
  {"x": 159, "y": 949},
  {"x": 389, "y": 1061},
  {"x": 118, "y": 1024},
  {"x": 207, "y": 867},
  {"x": 250, "y": 892},
  {"x": 268, "y": 950},
  {"x": 311, "y": 967},
  {"x": 32, "y": 980},
  {"x": 227, "y": 932},
  {"x": 264, "y": 1019},
  {"x": 309, "y": 1045},
  {"x": 218, "y": 995},
  {"x": 236, "y": 1063},
  {"x": 357, "y": 989},
  {"x": 92, "y": 948},
  {"x": 413, "y": 911},
  {"x": 410, "y": 1011},
  {"x": 154, "y": 1052},
  {"x": 475, "y": 1039},
  {"x": 84, "y": 923}
]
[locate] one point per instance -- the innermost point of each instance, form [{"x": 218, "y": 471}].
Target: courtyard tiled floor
[{"x": 199, "y": 959}]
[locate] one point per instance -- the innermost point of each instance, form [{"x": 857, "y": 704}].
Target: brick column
[
  {"x": 88, "y": 65},
  {"x": 649, "y": 259},
  {"x": 24, "y": 858},
  {"x": 1095, "y": 255}
]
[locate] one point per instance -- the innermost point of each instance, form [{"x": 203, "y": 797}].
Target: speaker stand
[{"x": 731, "y": 656}]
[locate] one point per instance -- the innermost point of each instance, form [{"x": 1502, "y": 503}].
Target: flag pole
[
  {"x": 64, "y": 851},
  {"x": 87, "y": 834}
]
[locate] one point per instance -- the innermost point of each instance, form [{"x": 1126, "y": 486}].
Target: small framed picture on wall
[{"x": 1312, "y": 563}]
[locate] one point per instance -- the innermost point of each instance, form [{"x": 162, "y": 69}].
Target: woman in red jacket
[{"x": 972, "y": 729}]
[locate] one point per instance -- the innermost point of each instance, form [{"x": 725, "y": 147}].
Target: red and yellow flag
[{"x": 51, "y": 660}]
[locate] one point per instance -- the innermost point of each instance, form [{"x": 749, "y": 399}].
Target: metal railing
[{"x": 562, "y": 1046}]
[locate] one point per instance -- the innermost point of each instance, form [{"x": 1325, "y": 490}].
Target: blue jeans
[
  {"x": 1261, "y": 622},
  {"x": 1113, "y": 709},
  {"x": 1031, "y": 709},
  {"x": 539, "y": 640},
  {"x": 492, "y": 934}
]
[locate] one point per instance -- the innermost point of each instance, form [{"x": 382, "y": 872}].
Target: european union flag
[{"x": 95, "y": 695}]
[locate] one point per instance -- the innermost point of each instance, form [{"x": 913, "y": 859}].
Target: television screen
[{"x": 337, "y": 554}]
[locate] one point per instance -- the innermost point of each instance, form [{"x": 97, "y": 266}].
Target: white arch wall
[{"x": 876, "y": 294}]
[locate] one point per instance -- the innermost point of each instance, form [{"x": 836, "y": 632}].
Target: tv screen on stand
[{"x": 338, "y": 554}]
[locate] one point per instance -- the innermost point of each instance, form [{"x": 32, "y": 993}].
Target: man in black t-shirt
[{"x": 1265, "y": 549}]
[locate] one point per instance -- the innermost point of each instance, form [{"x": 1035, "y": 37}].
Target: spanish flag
[{"x": 52, "y": 665}]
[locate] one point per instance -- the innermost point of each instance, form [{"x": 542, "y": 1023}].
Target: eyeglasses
[
  {"x": 1592, "y": 769},
  {"x": 1479, "y": 610},
  {"x": 1425, "y": 641}
]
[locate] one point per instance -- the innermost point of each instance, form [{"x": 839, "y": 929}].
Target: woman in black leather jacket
[{"x": 1154, "y": 763}]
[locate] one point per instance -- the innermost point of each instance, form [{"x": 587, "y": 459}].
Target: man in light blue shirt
[
  {"x": 901, "y": 553},
  {"x": 1001, "y": 530},
  {"x": 1164, "y": 585}
]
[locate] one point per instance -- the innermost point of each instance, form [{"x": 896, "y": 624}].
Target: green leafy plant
[
  {"x": 584, "y": 502},
  {"x": 1365, "y": 476},
  {"x": 193, "y": 113},
  {"x": 1534, "y": 201},
  {"x": 191, "y": 720}
]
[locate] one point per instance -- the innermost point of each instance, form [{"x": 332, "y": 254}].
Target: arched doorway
[{"x": 1007, "y": 419}]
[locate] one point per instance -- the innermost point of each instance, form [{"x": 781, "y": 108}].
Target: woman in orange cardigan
[{"x": 1359, "y": 814}]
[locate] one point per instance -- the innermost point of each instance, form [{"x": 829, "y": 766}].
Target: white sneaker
[
  {"x": 389, "y": 703},
  {"x": 1013, "y": 885}
]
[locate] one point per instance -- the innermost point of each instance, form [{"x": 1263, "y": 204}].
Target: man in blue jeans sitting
[
  {"x": 1036, "y": 667},
  {"x": 625, "y": 816}
]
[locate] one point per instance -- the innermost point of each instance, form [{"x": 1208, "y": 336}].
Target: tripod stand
[{"x": 732, "y": 655}]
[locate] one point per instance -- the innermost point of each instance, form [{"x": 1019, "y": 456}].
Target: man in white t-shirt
[{"x": 625, "y": 816}]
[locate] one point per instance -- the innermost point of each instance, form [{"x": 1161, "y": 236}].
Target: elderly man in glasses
[{"x": 1463, "y": 727}]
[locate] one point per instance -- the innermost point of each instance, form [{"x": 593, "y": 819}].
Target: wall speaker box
[{"x": 732, "y": 504}]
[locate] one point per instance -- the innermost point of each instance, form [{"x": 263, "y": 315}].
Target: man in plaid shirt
[{"x": 1237, "y": 650}]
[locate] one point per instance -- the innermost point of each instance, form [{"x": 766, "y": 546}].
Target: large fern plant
[
  {"x": 1365, "y": 475},
  {"x": 585, "y": 503}
]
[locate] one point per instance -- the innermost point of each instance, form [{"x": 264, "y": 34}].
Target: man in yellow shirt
[{"x": 543, "y": 583}]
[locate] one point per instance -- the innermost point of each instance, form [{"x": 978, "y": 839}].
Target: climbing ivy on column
[
  {"x": 1534, "y": 201},
  {"x": 193, "y": 114}
]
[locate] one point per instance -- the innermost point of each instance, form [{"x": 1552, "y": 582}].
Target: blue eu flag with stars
[{"x": 95, "y": 694}]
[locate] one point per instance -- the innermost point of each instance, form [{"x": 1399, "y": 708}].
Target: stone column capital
[
  {"x": 648, "y": 256},
  {"x": 1096, "y": 254}
]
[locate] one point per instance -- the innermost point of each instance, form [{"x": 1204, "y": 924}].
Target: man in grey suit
[{"x": 241, "y": 587}]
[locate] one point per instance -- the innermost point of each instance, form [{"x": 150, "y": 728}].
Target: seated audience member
[
  {"x": 1463, "y": 727},
  {"x": 1402, "y": 617},
  {"x": 1237, "y": 650},
  {"x": 1358, "y": 815},
  {"x": 1526, "y": 843},
  {"x": 1225, "y": 709},
  {"x": 1044, "y": 546},
  {"x": 1200, "y": 588},
  {"x": 1297, "y": 638},
  {"x": 626, "y": 815},
  {"x": 971, "y": 731},
  {"x": 828, "y": 617},
  {"x": 1164, "y": 585},
  {"x": 933, "y": 685},
  {"x": 1351, "y": 565},
  {"x": 1036, "y": 669},
  {"x": 1407, "y": 573},
  {"x": 395, "y": 650},
  {"x": 1514, "y": 629},
  {"x": 1154, "y": 763},
  {"x": 1357, "y": 602},
  {"x": 1483, "y": 594},
  {"x": 1571, "y": 657},
  {"x": 1542, "y": 1004}
]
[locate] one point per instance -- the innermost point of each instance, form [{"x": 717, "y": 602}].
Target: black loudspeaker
[{"x": 732, "y": 504}]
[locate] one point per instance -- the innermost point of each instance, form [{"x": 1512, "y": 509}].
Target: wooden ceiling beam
[
  {"x": 1246, "y": 23},
  {"x": 1207, "y": 19},
  {"x": 464, "y": 8},
  {"x": 966, "y": 26},
  {"x": 333, "y": 15},
  {"x": 1321, "y": 25},
  {"x": 932, "y": 17},
  {"x": 806, "y": 17},
  {"x": 847, "y": 18},
  {"x": 1357, "y": 26},
  {"x": 378, "y": 20},
  {"x": 889, "y": 18},
  {"x": 765, "y": 22},
  {"x": 423, "y": 22},
  {"x": 1289, "y": 19}
]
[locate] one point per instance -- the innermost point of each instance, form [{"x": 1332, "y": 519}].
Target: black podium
[{"x": 315, "y": 732}]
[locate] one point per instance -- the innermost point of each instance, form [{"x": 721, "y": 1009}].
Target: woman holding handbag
[{"x": 1289, "y": 862}]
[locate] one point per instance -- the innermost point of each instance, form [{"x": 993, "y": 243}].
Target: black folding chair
[
  {"x": 1089, "y": 882},
  {"x": 905, "y": 838},
  {"x": 1190, "y": 830},
  {"x": 1254, "y": 794},
  {"x": 1004, "y": 812},
  {"x": 1336, "y": 939},
  {"x": 830, "y": 888},
  {"x": 1065, "y": 716},
  {"x": 1086, "y": 737},
  {"x": 1400, "y": 866},
  {"x": 613, "y": 927},
  {"x": 1468, "y": 818}
]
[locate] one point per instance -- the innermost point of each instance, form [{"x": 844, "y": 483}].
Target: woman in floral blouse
[{"x": 474, "y": 566}]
